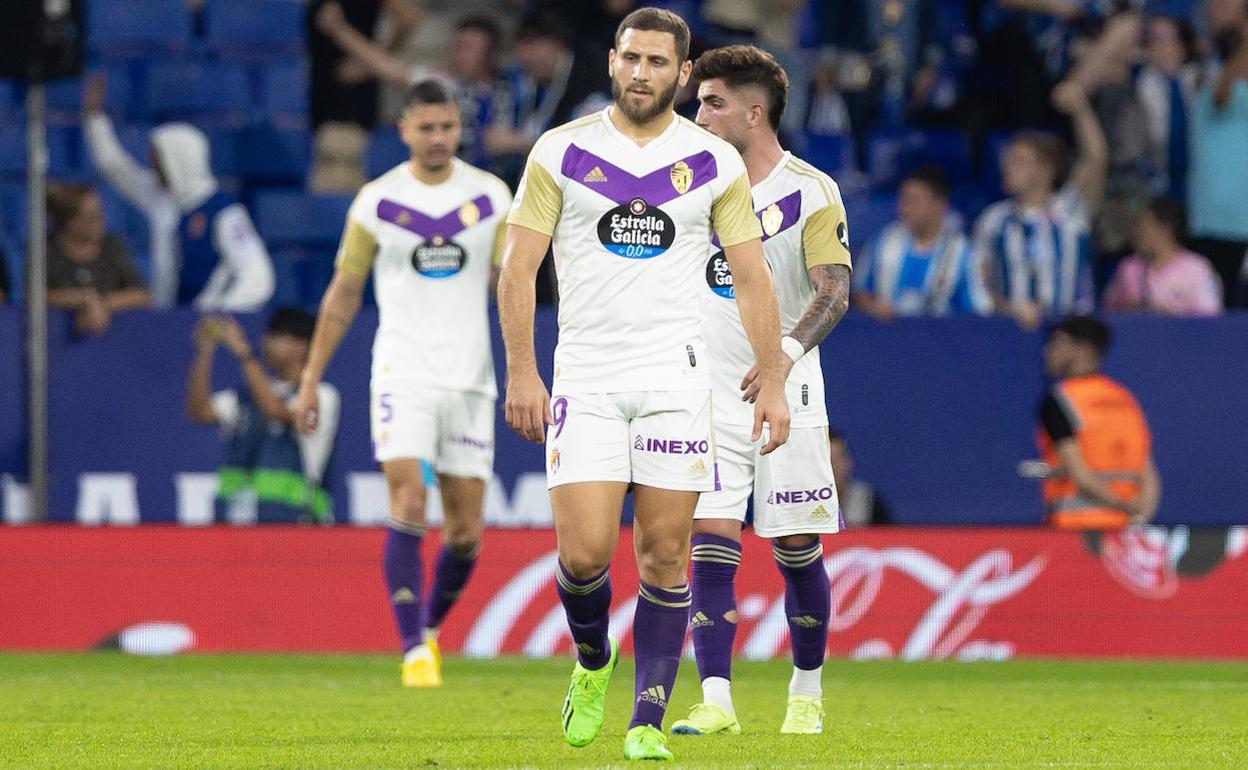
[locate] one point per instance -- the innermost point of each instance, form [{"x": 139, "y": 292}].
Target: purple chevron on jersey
[
  {"x": 448, "y": 225},
  {"x": 614, "y": 183},
  {"x": 790, "y": 207}
]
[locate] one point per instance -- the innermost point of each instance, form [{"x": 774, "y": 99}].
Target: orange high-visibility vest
[{"x": 1113, "y": 438}]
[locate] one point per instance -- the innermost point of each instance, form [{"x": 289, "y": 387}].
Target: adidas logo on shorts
[{"x": 820, "y": 514}]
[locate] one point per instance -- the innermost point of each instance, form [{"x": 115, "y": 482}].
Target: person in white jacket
[{"x": 204, "y": 248}]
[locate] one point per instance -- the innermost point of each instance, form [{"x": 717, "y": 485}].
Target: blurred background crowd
[{"x": 1027, "y": 157}]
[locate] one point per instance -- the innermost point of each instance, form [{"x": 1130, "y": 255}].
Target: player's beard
[{"x": 662, "y": 103}]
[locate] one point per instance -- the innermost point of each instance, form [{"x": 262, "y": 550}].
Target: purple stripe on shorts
[
  {"x": 448, "y": 225},
  {"x": 618, "y": 185}
]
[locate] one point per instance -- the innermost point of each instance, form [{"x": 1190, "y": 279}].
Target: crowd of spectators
[{"x": 1043, "y": 157}]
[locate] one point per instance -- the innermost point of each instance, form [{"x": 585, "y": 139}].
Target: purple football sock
[
  {"x": 587, "y": 604},
  {"x": 807, "y": 601},
  {"x": 449, "y": 577},
  {"x": 713, "y": 614},
  {"x": 400, "y": 560},
  {"x": 658, "y": 636}
]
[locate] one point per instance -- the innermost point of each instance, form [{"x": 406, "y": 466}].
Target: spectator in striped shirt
[{"x": 1034, "y": 247}]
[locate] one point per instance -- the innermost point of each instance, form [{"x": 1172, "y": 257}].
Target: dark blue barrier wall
[{"x": 939, "y": 412}]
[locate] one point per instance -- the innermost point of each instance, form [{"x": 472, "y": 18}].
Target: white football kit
[
  {"x": 630, "y": 227},
  {"x": 803, "y": 222},
  {"x": 431, "y": 248}
]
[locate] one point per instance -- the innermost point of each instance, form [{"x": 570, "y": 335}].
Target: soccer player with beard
[
  {"x": 743, "y": 91},
  {"x": 630, "y": 199},
  {"x": 430, "y": 231}
]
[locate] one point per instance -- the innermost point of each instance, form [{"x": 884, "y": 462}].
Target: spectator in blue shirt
[{"x": 921, "y": 264}]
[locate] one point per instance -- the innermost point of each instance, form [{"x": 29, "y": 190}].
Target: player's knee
[
  {"x": 584, "y": 566},
  {"x": 407, "y": 503},
  {"x": 463, "y": 544},
  {"x": 796, "y": 541},
  {"x": 663, "y": 564}
]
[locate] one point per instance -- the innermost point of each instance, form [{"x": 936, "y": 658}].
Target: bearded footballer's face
[
  {"x": 431, "y": 132},
  {"x": 645, "y": 74}
]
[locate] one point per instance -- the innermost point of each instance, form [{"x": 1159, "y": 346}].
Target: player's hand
[
  {"x": 93, "y": 317},
  {"x": 527, "y": 407},
  {"x": 305, "y": 412},
  {"x": 751, "y": 384},
  {"x": 772, "y": 408}
]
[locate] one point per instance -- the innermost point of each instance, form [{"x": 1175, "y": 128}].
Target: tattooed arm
[
  {"x": 824, "y": 312},
  {"x": 828, "y": 306}
]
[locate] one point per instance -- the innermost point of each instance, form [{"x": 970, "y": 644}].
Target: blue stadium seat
[
  {"x": 62, "y": 150},
  {"x": 209, "y": 92},
  {"x": 826, "y": 153},
  {"x": 273, "y": 156},
  {"x": 15, "y": 259},
  {"x": 868, "y": 215},
  {"x": 256, "y": 28},
  {"x": 136, "y": 27},
  {"x": 385, "y": 151},
  {"x": 301, "y": 275},
  {"x": 65, "y": 96},
  {"x": 892, "y": 156},
  {"x": 295, "y": 218},
  {"x": 12, "y": 209},
  {"x": 284, "y": 91}
]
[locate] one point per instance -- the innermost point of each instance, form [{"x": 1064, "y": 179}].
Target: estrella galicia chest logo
[
  {"x": 637, "y": 227},
  {"x": 719, "y": 277},
  {"x": 775, "y": 219},
  {"x": 438, "y": 255},
  {"x": 636, "y": 230}
]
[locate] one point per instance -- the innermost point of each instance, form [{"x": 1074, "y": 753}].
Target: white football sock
[
  {"x": 808, "y": 683},
  {"x": 718, "y": 691}
]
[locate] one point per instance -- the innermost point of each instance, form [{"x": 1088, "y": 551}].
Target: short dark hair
[
  {"x": 1086, "y": 330},
  {"x": 546, "y": 26},
  {"x": 429, "y": 91},
  {"x": 931, "y": 177},
  {"x": 293, "y": 321},
  {"x": 1171, "y": 214},
  {"x": 657, "y": 20},
  {"x": 747, "y": 65},
  {"x": 1187, "y": 34},
  {"x": 482, "y": 23},
  {"x": 1051, "y": 149}
]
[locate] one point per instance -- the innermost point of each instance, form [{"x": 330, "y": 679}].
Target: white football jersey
[
  {"x": 630, "y": 229},
  {"x": 430, "y": 249},
  {"x": 803, "y": 221}
]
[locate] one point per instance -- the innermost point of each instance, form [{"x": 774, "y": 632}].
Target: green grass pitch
[{"x": 109, "y": 710}]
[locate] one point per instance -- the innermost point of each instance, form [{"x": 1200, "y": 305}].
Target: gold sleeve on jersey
[
  {"x": 500, "y": 236},
  {"x": 732, "y": 214},
  {"x": 357, "y": 250},
  {"x": 540, "y": 200},
  {"x": 825, "y": 237}
]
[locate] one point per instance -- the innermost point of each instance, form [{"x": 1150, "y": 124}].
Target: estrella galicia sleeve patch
[
  {"x": 438, "y": 257},
  {"x": 636, "y": 230},
  {"x": 719, "y": 277}
]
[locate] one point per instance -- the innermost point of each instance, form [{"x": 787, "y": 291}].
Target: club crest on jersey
[
  {"x": 771, "y": 219},
  {"x": 636, "y": 230},
  {"x": 682, "y": 177},
  {"x": 469, "y": 214},
  {"x": 438, "y": 257}
]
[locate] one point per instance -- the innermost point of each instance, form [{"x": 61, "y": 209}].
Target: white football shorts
[
  {"x": 451, "y": 430},
  {"x": 662, "y": 439},
  {"x": 793, "y": 488}
]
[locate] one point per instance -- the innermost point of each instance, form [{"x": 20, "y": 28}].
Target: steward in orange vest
[{"x": 1093, "y": 437}]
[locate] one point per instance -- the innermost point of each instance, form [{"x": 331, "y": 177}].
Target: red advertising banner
[{"x": 896, "y": 593}]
